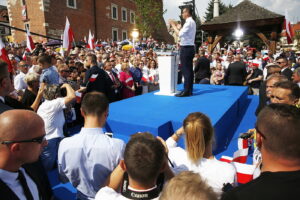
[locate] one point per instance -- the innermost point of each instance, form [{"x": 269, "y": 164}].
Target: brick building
[{"x": 107, "y": 19}]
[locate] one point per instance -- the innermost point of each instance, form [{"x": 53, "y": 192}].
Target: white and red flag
[
  {"x": 288, "y": 28},
  {"x": 91, "y": 42},
  {"x": 4, "y": 56},
  {"x": 68, "y": 36},
  {"x": 29, "y": 42},
  {"x": 93, "y": 77}
]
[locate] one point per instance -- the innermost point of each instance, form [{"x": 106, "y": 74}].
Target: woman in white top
[
  {"x": 51, "y": 111},
  {"x": 153, "y": 76},
  {"x": 198, "y": 156}
]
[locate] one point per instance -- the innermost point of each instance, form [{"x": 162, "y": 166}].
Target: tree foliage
[
  {"x": 209, "y": 14},
  {"x": 149, "y": 16}
]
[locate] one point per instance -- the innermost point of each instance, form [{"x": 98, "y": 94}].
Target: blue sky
[{"x": 278, "y": 6}]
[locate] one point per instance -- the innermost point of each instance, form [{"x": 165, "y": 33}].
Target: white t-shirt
[
  {"x": 107, "y": 193},
  {"x": 215, "y": 172},
  {"x": 19, "y": 82},
  {"x": 52, "y": 114}
]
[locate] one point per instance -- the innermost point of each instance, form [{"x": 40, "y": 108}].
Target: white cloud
[
  {"x": 278, "y": 6},
  {"x": 3, "y": 2}
]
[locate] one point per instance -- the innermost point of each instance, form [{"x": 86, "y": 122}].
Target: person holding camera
[
  {"x": 198, "y": 156},
  {"x": 51, "y": 111},
  {"x": 142, "y": 173}
]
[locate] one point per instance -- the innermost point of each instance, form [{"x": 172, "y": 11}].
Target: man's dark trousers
[{"x": 187, "y": 54}]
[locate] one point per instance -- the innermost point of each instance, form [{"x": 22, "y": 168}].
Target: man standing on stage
[{"x": 187, "y": 50}]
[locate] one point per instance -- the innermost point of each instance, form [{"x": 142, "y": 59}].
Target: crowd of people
[{"x": 48, "y": 92}]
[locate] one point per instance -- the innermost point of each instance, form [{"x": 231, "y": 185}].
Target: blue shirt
[
  {"x": 50, "y": 76},
  {"x": 87, "y": 159},
  {"x": 136, "y": 74}
]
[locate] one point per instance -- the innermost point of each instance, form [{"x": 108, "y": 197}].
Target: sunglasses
[
  {"x": 39, "y": 140},
  {"x": 279, "y": 63}
]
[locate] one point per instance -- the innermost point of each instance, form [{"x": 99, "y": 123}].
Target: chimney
[{"x": 216, "y": 8}]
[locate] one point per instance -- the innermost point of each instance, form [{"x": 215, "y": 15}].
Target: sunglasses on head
[{"x": 37, "y": 140}]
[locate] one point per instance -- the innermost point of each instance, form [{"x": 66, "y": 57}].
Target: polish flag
[
  {"x": 4, "y": 56},
  {"x": 78, "y": 96},
  {"x": 91, "y": 42},
  {"x": 244, "y": 172},
  {"x": 68, "y": 36},
  {"x": 288, "y": 28},
  {"x": 24, "y": 55},
  {"x": 256, "y": 63},
  {"x": 266, "y": 58},
  {"x": 226, "y": 159},
  {"x": 93, "y": 77},
  {"x": 129, "y": 80},
  {"x": 240, "y": 156},
  {"x": 151, "y": 78},
  {"x": 29, "y": 43},
  {"x": 145, "y": 79},
  {"x": 242, "y": 143}
]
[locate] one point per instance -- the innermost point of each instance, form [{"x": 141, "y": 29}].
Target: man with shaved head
[{"x": 22, "y": 138}]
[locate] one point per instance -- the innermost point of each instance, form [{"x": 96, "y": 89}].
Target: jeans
[{"x": 49, "y": 154}]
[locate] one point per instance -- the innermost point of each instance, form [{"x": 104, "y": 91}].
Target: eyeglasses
[
  {"x": 67, "y": 71},
  {"x": 259, "y": 132},
  {"x": 279, "y": 63},
  {"x": 39, "y": 140}
]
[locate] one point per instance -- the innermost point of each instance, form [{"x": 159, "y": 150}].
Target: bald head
[{"x": 20, "y": 125}]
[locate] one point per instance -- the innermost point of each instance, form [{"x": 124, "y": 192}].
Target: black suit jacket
[
  {"x": 262, "y": 98},
  {"x": 288, "y": 73},
  {"x": 236, "y": 73},
  {"x": 38, "y": 175},
  {"x": 4, "y": 107},
  {"x": 111, "y": 92},
  {"x": 202, "y": 68}
]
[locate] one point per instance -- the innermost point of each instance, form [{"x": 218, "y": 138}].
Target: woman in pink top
[{"x": 127, "y": 82}]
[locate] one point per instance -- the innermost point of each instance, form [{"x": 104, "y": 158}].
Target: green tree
[
  {"x": 149, "y": 15},
  {"x": 209, "y": 14}
]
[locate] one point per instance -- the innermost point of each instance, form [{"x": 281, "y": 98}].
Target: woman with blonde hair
[
  {"x": 198, "y": 156},
  {"x": 127, "y": 81}
]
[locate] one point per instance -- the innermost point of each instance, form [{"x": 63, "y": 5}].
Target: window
[
  {"x": 114, "y": 11},
  {"x": 124, "y": 35},
  {"x": 114, "y": 34},
  {"x": 124, "y": 14},
  {"x": 71, "y": 4},
  {"x": 132, "y": 17}
]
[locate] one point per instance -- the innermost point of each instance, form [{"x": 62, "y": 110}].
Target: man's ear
[
  {"x": 123, "y": 165},
  {"x": 15, "y": 147},
  {"x": 259, "y": 139},
  {"x": 82, "y": 113}
]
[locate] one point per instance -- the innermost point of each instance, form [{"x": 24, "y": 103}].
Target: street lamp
[{"x": 135, "y": 35}]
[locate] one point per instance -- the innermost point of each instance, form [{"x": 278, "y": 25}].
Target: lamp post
[{"x": 135, "y": 35}]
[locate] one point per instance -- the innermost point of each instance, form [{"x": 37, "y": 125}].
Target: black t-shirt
[
  {"x": 269, "y": 186},
  {"x": 256, "y": 74},
  {"x": 28, "y": 98}
]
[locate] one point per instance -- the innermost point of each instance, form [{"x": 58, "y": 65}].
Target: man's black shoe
[{"x": 183, "y": 94}]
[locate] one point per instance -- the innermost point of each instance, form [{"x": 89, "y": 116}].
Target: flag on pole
[
  {"x": 4, "y": 56},
  {"x": 91, "y": 42},
  {"x": 29, "y": 43},
  {"x": 68, "y": 36},
  {"x": 288, "y": 28}
]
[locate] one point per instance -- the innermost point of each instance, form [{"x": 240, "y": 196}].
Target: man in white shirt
[
  {"x": 19, "y": 82},
  {"x": 187, "y": 50},
  {"x": 88, "y": 158},
  {"x": 17, "y": 180},
  {"x": 139, "y": 175}
]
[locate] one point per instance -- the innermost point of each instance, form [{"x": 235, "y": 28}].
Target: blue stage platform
[
  {"x": 162, "y": 115},
  {"x": 230, "y": 109}
]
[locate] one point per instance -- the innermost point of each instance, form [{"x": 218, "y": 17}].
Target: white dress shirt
[
  {"x": 11, "y": 180},
  {"x": 109, "y": 194},
  {"x": 188, "y": 32},
  {"x": 52, "y": 114},
  {"x": 19, "y": 82},
  {"x": 87, "y": 159},
  {"x": 215, "y": 172}
]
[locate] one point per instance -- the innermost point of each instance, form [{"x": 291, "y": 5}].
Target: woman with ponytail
[{"x": 198, "y": 156}]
